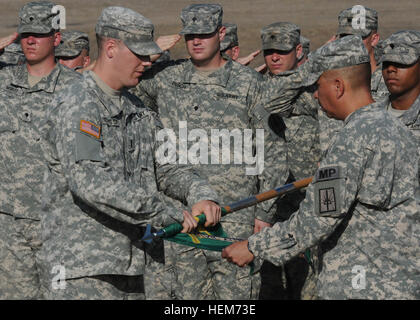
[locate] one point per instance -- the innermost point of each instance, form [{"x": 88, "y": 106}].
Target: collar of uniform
[
  {"x": 219, "y": 77},
  {"x": 411, "y": 115},
  {"x": 46, "y": 84},
  {"x": 106, "y": 101},
  {"x": 362, "y": 110}
]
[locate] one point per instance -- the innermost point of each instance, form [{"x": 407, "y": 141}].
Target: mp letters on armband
[{"x": 329, "y": 190}]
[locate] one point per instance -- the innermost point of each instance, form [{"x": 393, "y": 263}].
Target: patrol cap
[
  {"x": 12, "y": 54},
  {"x": 72, "y": 43},
  {"x": 36, "y": 17},
  {"x": 344, "y": 52},
  {"x": 201, "y": 18},
  {"x": 231, "y": 37},
  {"x": 129, "y": 26},
  {"x": 305, "y": 45},
  {"x": 282, "y": 36},
  {"x": 345, "y": 21},
  {"x": 402, "y": 47}
]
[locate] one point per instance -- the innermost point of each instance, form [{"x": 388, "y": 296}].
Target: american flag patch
[{"x": 90, "y": 128}]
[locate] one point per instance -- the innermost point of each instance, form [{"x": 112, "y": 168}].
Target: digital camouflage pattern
[
  {"x": 23, "y": 110},
  {"x": 378, "y": 87},
  {"x": 36, "y": 17},
  {"x": 72, "y": 43},
  {"x": 226, "y": 99},
  {"x": 402, "y": 47},
  {"x": 12, "y": 55},
  {"x": 346, "y": 25},
  {"x": 201, "y": 18},
  {"x": 344, "y": 209},
  {"x": 103, "y": 184},
  {"x": 135, "y": 30},
  {"x": 231, "y": 38},
  {"x": 374, "y": 220},
  {"x": 305, "y": 45},
  {"x": 282, "y": 36}
]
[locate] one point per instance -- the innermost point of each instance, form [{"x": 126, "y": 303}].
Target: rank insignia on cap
[{"x": 90, "y": 128}]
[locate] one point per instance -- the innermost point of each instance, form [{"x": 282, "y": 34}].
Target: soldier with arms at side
[{"x": 26, "y": 92}]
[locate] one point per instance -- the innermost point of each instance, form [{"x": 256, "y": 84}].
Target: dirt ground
[{"x": 317, "y": 18}]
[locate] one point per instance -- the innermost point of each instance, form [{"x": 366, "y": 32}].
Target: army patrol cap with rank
[
  {"x": 345, "y": 22},
  {"x": 36, "y": 17},
  {"x": 402, "y": 47},
  {"x": 201, "y": 18},
  {"x": 283, "y": 36},
  {"x": 231, "y": 37},
  {"x": 72, "y": 43},
  {"x": 344, "y": 52},
  {"x": 135, "y": 30}
]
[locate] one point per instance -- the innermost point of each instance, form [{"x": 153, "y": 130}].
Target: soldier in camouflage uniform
[
  {"x": 282, "y": 48},
  {"x": 305, "y": 50},
  {"x": 208, "y": 92},
  {"x": 229, "y": 46},
  {"x": 401, "y": 71},
  {"x": 329, "y": 127},
  {"x": 26, "y": 92},
  {"x": 362, "y": 194},
  {"x": 73, "y": 50},
  {"x": 103, "y": 181}
]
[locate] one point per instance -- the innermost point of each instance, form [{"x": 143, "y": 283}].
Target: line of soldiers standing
[{"x": 90, "y": 144}]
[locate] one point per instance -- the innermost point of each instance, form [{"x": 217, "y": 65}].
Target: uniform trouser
[
  {"x": 20, "y": 242},
  {"x": 101, "y": 287},
  {"x": 298, "y": 275},
  {"x": 191, "y": 273}
]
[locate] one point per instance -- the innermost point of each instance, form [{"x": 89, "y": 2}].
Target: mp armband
[{"x": 330, "y": 191}]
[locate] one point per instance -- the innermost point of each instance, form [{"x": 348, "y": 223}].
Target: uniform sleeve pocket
[{"x": 87, "y": 148}]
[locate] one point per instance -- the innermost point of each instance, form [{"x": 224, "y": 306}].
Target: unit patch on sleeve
[
  {"x": 90, "y": 128},
  {"x": 327, "y": 202}
]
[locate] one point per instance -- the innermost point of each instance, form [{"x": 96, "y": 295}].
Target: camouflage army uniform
[
  {"x": 301, "y": 133},
  {"x": 23, "y": 110},
  {"x": 71, "y": 45},
  {"x": 230, "y": 40},
  {"x": 101, "y": 189},
  {"x": 225, "y": 99},
  {"x": 367, "y": 176},
  {"x": 103, "y": 181},
  {"x": 403, "y": 47}
]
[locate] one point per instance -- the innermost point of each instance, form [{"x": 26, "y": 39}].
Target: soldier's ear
[
  {"x": 222, "y": 33},
  {"x": 235, "y": 53},
  {"x": 110, "y": 47},
  {"x": 375, "y": 39},
  {"x": 339, "y": 86},
  {"x": 57, "y": 38},
  {"x": 299, "y": 51}
]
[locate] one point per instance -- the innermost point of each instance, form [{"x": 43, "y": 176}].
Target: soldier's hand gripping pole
[{"x": 175, "y": 228}]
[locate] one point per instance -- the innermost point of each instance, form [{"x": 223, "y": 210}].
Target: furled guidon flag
[{"x": 90, "y": 128}]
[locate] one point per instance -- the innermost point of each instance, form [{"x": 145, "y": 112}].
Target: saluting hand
[{"x": 4, "y": 42}]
